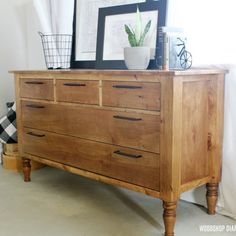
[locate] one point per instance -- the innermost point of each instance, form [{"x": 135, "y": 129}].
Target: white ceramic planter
[{"x": 137, "y": 58}]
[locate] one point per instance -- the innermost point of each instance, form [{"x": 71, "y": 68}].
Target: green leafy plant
[{"x": 136, "y": 37}]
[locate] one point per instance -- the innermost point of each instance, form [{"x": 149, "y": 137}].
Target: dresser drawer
[
  {"x": 65, "y": 149},
  {"x": 132, "y": 95},
  {"x": 125, "y": 164},
  {"x": 37, "y": 89},
  {"x": 76, "y": 91},
  {"x": 139, "y": 131},
  {"x": 134, "y": 166}
]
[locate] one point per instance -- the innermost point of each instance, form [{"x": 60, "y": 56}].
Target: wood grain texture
[
  {"x": 78, "y": 91},
  {"x": 10, "y": 149},
  {"x": 112, "y": 73},
  {"x": 38, "y": 89},
  {"x": 96, "y": 157},
  {"x": 212, "y": 196},
  {"x": 194, "y": 184},
  {"x": 169, "y": 217},
  {"x": 14, "y": 163},
  {"x": 161, "y": 142},
  {"x": 26, "y": 169},
  {"x": 216, "y": 123},
  {"x": 19, "y": 114},
  {"x": 97, "y": 177},
  {"x": 100, "y": 107},
  {"x": 195, "y": 160},
  {"x": 170, "y": 142},
  {"x": 93, "y": 124},
  {"x": 132, "y": 95}
]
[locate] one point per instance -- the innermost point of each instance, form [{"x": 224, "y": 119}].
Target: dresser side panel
[
  {"x": 195, "y": 139},
  {"x": 216, "y": 127}
]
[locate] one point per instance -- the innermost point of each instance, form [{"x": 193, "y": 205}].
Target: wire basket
[{"x": 57, "y": 50}]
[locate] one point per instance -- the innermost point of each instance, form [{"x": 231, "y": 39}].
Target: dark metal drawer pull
[
  {"x": 74, "y": 85},
  {"x": 127, "y": 154},
  {"x": 34, "y": 82},
  {"x": 35, "y": 106},
  {"x": 127, "y": 118},
  {"x": 36, "y": 135},
  {"x": 127, "y": 87}
]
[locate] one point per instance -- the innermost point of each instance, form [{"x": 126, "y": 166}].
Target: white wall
[
  {"x": 209, "y": 28},
  {"x": 35, "y": 57},
  {"x": 20, "y": 46},
  {"x": 12, "y": 46}
]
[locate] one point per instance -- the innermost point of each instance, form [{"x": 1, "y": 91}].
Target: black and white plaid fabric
[{"x": 8, "y": 131}]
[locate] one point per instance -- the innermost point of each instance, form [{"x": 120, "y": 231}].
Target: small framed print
[{"x": 112, "y": 38}]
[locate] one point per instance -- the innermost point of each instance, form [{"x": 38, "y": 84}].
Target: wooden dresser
[{"x": 155, "y": 132}]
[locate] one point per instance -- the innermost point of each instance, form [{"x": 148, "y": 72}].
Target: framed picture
[
  {"x": 85, "y": 30},
  {"x": 112, "y": 38}
]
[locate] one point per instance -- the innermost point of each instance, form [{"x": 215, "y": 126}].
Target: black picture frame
[
  {"x": 160, "y": 6},
  {"x": 82, "y": 64}
]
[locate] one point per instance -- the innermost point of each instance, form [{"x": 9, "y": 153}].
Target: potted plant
[{"x": 137, "y": 57}]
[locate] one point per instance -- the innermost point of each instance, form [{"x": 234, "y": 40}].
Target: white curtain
[
  {"x": 228, "y": 186},
  {"x": 56, "y": 16},
  {"x": 211, "y": 32}
]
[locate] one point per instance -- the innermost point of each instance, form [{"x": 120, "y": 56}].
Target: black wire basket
[{"x": 57, "y": 50}]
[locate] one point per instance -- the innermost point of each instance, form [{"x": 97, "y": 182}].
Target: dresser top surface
[{"x": 197, "y": 71}]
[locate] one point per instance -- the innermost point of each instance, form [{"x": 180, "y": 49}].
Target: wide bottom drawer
[{"x": 130, "y": 165}]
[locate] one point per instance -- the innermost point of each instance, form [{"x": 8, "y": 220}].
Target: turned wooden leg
[
  {"x": 26, "y": 169},
  {"x": 169, "y": 217},
  {"x": 212, "y": 196}
]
